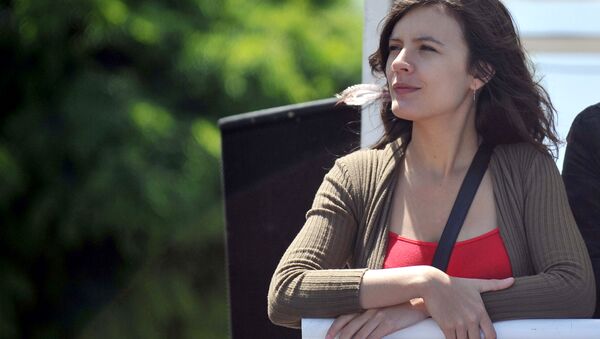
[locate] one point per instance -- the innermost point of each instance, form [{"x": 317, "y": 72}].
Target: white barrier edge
[{"x": 510, "y": 329}]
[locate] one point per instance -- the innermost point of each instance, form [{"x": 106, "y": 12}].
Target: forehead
[{"x": 434, "y": 21}]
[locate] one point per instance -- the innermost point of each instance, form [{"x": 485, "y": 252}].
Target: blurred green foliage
[{"x": 110, "y": 193}]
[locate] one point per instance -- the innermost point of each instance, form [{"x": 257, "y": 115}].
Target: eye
[
  {"x": 428, "y": 48},
  {"x": 395, "y": 48}
]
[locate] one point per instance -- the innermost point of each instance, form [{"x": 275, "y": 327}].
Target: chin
[{"x": 404, "y": 113}]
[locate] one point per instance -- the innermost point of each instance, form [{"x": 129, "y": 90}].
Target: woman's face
[{"x": 427, "y": 66}]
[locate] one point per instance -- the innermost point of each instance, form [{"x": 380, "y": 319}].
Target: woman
[{"x": 456, "y": 77}]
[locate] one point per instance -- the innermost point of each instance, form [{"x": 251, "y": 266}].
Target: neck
[{"x": 443, "y": 146}]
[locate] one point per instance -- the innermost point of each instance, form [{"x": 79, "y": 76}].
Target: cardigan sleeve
[
  {"x": 562, "y": 285},
  {"x": 310, "y": 280}
]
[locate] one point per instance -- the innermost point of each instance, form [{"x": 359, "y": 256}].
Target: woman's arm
[
  {"x": 310, "y": 279},
  {"x": 563, "y": 286},
  {"x": 393, "y": 286},
  {"x": 454, "y": 303}
]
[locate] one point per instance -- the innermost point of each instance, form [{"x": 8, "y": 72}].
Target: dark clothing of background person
[{"x": 581, "y": 174}]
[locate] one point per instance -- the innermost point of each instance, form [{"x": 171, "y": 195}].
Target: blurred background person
[{"x": 581, "y": 174}]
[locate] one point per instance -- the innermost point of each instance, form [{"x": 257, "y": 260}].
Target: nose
[{"x": 401, "y": 62}]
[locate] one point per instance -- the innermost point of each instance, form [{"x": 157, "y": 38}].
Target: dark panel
[{"x": 273, "y": 163}]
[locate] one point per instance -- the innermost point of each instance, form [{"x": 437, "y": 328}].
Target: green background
[{"x": 110, "y": 191}]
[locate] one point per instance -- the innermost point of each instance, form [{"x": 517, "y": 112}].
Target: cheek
[
  {"x": 389, "y": 80},
  {"x": 388, "y": 72},
  {"x": 450, "y": 76}
]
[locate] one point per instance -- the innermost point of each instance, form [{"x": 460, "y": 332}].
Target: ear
[
  {"x": 476, "y": 84},
  {"x": 483, "y": 73}
]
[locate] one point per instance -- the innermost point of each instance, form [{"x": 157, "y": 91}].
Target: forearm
[
  {"x": 313, "y": 294},
  {"x": 393, "y": 286},
  {"x": 542, "y": 296},
  {"x": 558, "y": 280},
  {"x": 329, "y": 293}
]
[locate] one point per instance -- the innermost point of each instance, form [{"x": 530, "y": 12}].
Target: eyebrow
[{"x": 422, "y": 38}]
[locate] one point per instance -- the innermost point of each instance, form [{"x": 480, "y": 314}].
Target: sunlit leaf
[
  {"x": 144, "y": 30},
  {"x": 114, "y": 11},
  {"x": 152, "y": 119},
  {"x": 208, "y": 136}
]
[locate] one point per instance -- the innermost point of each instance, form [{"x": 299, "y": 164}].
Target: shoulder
[
  {"x": 529, "y": 172},
  {"x": 365, "y": 157},
  {"x": 522, "y": 163},
  {"x": 585, "y": 126},
  {"x": 589, "y": 115},
  {"x": 523, "y": 154},
  {"x": 370, "y": 163},
  {"x": 368, "y": 171}
]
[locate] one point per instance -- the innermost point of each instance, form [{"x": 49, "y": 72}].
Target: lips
[{"x": 402, "y": 88}]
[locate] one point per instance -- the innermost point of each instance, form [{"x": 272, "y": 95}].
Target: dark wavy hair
[{"x": 511, "y": 106}]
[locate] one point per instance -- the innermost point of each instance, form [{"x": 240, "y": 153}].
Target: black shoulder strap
[{"x": 461, "y": 206}]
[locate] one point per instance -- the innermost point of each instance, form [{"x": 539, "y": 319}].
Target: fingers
[
  {"x": 367, "y": 329},
  {"x": 487, "y": 327},
  {"x": 473, "y": 332},
  {"x": 355, "y": 324},
  {"x": 461, "y": 332},
  {"x": 504, "y": 283},
  {"x": 449, "y": 333},
  {"x": 465, "y": 323},
  {"x": 375, "y": 323},
  {"x": 485, "y": 285},
  {"x": 381, "y": 331},
  {"x": 459, "y": 309},
  {"x": 339, "y": 323}
]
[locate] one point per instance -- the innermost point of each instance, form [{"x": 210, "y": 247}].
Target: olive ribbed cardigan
[{"x": 346, "y": 229}]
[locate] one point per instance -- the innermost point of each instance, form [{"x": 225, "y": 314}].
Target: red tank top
[{"x": 482, "y": 257}]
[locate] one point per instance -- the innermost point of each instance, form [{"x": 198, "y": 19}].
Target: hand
[
  {"x": 378, "y": 322},
  {"x": 456, "y": 305}
]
